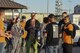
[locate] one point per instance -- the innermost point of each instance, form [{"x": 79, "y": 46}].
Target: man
[
  {"x": 43, "y": 26},
  {"x": 67, "y": 33},
  {"x": 51, "y": 34},
  {"x": 24, "y": 35},
  {"x": 35, "y": 24},
  {"x": 61, "y": 22},
  {"x": 3, "y": 35},
  {"x": 23, "y": 23}
]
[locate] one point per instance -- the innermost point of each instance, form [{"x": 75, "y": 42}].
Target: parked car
[{"x": 77, "y": 38}]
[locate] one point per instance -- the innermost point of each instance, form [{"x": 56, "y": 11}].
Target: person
[
  {"x": 16, "y": 31},
  {"x": 24, "y": 35},
  {"x": 23, "y": 23},
  {"x": 43, "y": 26},
  {"x": 10, "y": 24},
  {"x": 67, "y": 32},
  {"x": 36, "y": 24},
  {"x": 61, "y": 22},
  {"x": 51, "y": 35},
  {"x": 3, "y": 35},
  {"x": 5, "y": 23},
  {"x": 9, "y": 45}
]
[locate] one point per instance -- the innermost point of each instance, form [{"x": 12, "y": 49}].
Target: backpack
[
  {"x": 74, "y": 31},
  {"x": 75, "y": 27}
]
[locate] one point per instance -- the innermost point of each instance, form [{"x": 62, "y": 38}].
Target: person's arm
[
  {"x": 46, "y": 30},
  {"x": 3, "y": 34},
  {"x": 45, "y": 34},
  {"x": 69, "y": 29},
  {"x": 8, "y": 35},
  {"x": 37, "y": 24},
  {"x": 61, "y": 22},
  {"x": 27, "y": 25}
]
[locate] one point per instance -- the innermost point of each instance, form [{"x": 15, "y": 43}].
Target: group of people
[
  {"x": 61, "y": 36},
  {"x": 18, "y": 35},
  {"x": 32, "y": 35}
]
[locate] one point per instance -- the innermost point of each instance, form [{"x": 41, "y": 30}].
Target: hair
[
  {"x": 67, "y": 16},
  {"x": 45, "y": 20},
  {"x": 64, "y": 13},
  {"x": 1, "y": 11},
  {"x": 51, "y": 16},
  {"x": 23, "y": 17},
  {"x": 16, "y": 20}
]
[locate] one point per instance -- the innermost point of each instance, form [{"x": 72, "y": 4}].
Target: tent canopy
[{"x": 8, "y": 4}]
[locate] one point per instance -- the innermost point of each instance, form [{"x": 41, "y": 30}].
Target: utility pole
[
  {"x": 47, "y": 6},
  {"x": 12, "y": 11},
  {"x": 69, "y": 1}
]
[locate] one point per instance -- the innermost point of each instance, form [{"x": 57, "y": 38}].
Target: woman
[
  {"x": 16, "y": 31},
  {"x": 3, "y": 35}
]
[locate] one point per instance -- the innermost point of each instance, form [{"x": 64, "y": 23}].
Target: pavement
[{"x": 75, "y": 50}]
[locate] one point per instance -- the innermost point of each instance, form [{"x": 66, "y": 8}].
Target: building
[
  {"x": 75, "y": 18},
  {"x": 11, "y": 6},
  {"x": 77, "y": 9},
  {"x": 8, "y": 4}
]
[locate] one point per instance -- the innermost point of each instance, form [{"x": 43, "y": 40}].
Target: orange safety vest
[{"x": 67, "y": 38}]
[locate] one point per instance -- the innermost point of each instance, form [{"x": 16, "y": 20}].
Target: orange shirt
[
  {"x": 23, "y": 26},
  {"x": 2, "y": 39},
  {"x": 67, "y": 38}
]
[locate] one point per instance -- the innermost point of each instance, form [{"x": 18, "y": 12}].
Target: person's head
[
  {"x": 23, "y": 18},
  {"x": 33, "y": 15},
  {"x": 2, "y": 14},
  {"x": 51, "y": 18},
  {"x": 45, "y": 20},
  {"x": 13, "y": 20},
  {"x": 64, "y": 14},
  {"x": 67, "y": 19}
]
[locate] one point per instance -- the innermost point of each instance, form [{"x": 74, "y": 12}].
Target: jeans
[
  {"x": 2, "y": 47},
  {"x": 51, "y": 49}
]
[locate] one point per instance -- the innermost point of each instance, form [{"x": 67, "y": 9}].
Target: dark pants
[{"x": 67, "y": 48}]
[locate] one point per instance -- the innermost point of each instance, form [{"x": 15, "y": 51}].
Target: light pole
[
  {"x": 69, "y": 6},
  {"x": 12, "y": 11},
  {"x": 47, "y": 6}
]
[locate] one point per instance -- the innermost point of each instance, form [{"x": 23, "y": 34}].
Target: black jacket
[{"x": 27, "y": 26}]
